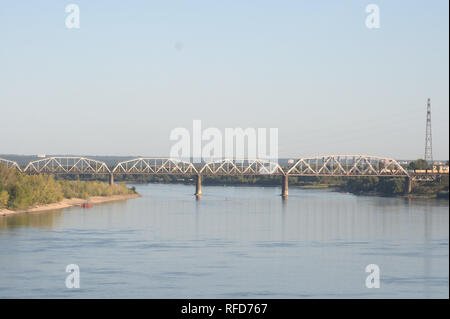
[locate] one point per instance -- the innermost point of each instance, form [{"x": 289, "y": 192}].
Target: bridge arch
[
  {"x": 347, "y": 165},
  {"x": 155, "y": 166},
  {"x": 9, "y": 163},
  {"x": 67, "y": 165},
  {"x": 242, "y": 167}
]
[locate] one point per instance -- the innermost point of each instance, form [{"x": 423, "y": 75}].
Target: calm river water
[{"x": 236, "y": 242}]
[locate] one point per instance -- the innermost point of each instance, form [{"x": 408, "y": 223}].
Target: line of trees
[
  {"x": 19, "y": 191},
  {"x": 419, "y": 164},
  {"x": 384, "y": 185}
]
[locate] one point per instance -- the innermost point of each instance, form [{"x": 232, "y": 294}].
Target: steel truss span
[
  {"x": 347, "y": 165},
  {"x": 67, "y": 165},
  {"x": 155, "y": 166},
  {"x": 327, "y": 165},
  {"x": 9, "y": 163},
  {"x": 242, "y": 167}
]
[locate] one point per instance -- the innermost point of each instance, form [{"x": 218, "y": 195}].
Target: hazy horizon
[{"x": 134, "y": 71}]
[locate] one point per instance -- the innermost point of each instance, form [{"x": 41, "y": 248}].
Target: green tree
[
  {"x": 391, "y": 186},
  {"x": 419, "y": 164},
  {"x": 8, "y": 176},
  {"x": 4, "y": 197},
  {"x": 18, "y": 191},
  {"x": 362, "y": 184}
]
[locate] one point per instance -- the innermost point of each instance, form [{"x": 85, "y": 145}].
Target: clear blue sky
[{"x": 137, "y": 69}]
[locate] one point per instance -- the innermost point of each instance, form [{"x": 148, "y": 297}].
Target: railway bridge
[{"x": 326, "y": 165}]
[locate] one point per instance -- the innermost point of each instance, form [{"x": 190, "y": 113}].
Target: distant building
[
  {"x": 41, "y": 155},
  {"x": 291, "y": 161}
]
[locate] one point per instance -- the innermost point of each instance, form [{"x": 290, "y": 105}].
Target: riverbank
[
  {"x": 65, "y": 203},
  {"x": 341, "y": 188},
  {"x": 378, "y": 194}
]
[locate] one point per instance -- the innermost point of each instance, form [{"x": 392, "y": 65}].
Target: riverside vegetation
[{"x": 20, "y": 191}]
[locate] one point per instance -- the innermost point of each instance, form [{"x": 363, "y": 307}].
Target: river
[{"x": 236, "y": 242}]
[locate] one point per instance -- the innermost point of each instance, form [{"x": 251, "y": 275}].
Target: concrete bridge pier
[
  {"x": 284, "y": 186},
  {"x": 408, "y": 185},
  {"x": 111, "y": 179},
  {"x": 198, "y": 186}
]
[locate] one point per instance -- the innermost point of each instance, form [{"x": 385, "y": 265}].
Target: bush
[
  {"x": 362, "y": 184},
  {"x": 391, "y": 186},
  {"x": 18, "y": 191},
  {"x": 32, "y": 190},
  {"x": 79, "y": 189},
  {"x": 419, "y": 164},
  {"x": 4, "y": 197}
]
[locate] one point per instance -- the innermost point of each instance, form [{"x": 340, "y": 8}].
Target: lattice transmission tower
[{"x": 428, "y": 140}]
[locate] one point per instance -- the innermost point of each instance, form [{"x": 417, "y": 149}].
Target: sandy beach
[{"x": 65, "y": 203}]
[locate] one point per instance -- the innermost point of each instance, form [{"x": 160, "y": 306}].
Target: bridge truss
[
  {"x": 9, "y": 163},
  {"x": 67, "y": 165},
  {"x": 242, "y": 167},
  {"x": 328, "y": 165},
  {"x": 155, "y": 166},
  {"x": 347, "y": 165}
]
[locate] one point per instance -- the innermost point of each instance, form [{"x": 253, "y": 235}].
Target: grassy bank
[{"x": 20, "y": 191}]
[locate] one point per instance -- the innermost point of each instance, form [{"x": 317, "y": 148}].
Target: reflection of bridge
[{"x": 329, "y": 165}]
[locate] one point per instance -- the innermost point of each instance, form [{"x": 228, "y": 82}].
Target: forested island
[{"x": 20, "y": 191}]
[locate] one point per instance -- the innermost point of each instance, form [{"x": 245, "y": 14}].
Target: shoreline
[
  {"x": 66, "y": 203},
  {"x": 406, "y": 196},
  {"x": 319, "y": 186},
  {"x": 331, "y": 187},
  {"x": 74, "y": 202}
]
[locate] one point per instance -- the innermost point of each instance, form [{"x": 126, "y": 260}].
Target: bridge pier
[
  {"x": 198, "y": 186},
  {"x": 284, "y": 186},
  {"x": 111, "y": 179},
  {"x": 408, "y": 185}
]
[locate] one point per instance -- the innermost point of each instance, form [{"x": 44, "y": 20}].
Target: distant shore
[{"x": 65, "y": 203}]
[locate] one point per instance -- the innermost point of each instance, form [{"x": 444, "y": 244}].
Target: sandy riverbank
[{"x": 65, "y": 203}]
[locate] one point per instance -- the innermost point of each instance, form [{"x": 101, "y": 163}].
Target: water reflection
[
  {"x": 44, "y": 220},
  {"x": 167, "y": 244}
]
